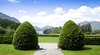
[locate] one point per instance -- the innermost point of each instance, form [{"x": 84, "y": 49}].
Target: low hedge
[
  {"x": 57, "y": 35},
  {"x": 92, "y": 40},
  {"x": 88, "y": 40},
  {"x": 49, "y": 35},
  {"x": 6, "y": 40}
]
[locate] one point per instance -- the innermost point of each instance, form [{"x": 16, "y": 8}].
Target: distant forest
[{"x": 8, "y": 23}]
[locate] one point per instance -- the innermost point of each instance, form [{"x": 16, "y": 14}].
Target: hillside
[
  {"x": 7, "y": 21},
  {"x": 4, "y": 16}
]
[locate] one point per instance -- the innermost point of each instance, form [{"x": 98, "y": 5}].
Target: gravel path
[{"x": 48, "y": 49}]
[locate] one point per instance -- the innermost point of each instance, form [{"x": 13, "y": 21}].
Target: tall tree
[{"x": 86, "y": 28}]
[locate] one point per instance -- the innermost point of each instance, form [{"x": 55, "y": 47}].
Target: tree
[
  {"x": 25, "y": 37},
  {"x": 86, "y": 28},
  {"x": 2, "y": 30},
  {"x": 71, "y": 37}
]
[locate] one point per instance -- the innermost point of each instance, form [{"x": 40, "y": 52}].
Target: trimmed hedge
[
  {"x": 92, "y": 40},
  {"x": 25, "y": 37},
  {"x": 6, "y": 40},
  {"x": 88, "y": 40},
  {"x": 57, "y": 35},
  {"x": 71, "y": 37},
  {"x": 49, "y": 35}
]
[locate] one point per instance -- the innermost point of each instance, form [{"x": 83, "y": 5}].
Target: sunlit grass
[
  {"x": 89, "y": 50},
  {"x": 48, "y": 39},
  {"x": 7, "y": 49}
]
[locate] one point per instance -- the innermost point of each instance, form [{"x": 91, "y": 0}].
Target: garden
[{"x": 71, "y": 41}]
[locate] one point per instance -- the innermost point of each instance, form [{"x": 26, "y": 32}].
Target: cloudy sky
[{"x": 51, "y": 12}]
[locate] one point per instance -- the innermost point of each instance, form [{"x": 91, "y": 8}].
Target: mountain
[
  {"x": 4, "y": 16},
  {"x": 95, "y": 24},
  {"x": 37, "y": 28},
  {"x": 5, "y": 23},
  {"x": 47, "y": 27},
  {"x": 42, "y": 29}
]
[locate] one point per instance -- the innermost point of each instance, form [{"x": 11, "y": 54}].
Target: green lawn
[
  {"x": 48, "y": 39},
  {"x": 89, "y": 50},
  {"x": 7, "y": 49}
]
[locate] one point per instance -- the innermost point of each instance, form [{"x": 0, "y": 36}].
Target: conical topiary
[
  {"x": 71, "y": 37},
  {"x": 25, "y": 37}
]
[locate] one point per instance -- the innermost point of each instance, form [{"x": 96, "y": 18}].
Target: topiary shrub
[
  {"x": 71, "y": 37},
  {"x": 25, "y": 37}
]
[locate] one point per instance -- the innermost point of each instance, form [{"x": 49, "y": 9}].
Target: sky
[{"x": 51, "y": 12}]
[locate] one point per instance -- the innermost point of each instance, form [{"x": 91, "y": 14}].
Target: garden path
[{"x": 48, "y": 49}]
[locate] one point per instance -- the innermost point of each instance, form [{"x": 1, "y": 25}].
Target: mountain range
[
  {"x": 95, "y": 25},
  {"x": 4, "y": 16},
  {"x": 7, "y": 21},
  {"x": 43, "y": 28}
]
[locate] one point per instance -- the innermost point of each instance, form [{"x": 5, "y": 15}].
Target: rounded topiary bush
[
  {"x": 25, "y": 37},
  {"x": 71, "y": 37}
]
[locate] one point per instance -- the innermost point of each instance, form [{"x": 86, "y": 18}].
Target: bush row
[
  {"x": 49, "y": 35},
  {"x": 92, "y": 40},
  {"x": 88, "y": 40},
  {"x": 6, "y": 40},
  {"x": 91, "y": 36},
  {"x": 57, "y": 35}
]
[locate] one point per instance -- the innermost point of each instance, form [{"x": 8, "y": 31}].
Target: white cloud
[
  {"x": 14, "y": 1},
  {"x": 83, "y": 13},
  {"x": 22, "y": 11},
  {"x": 42, "y": 13},
  {"x": 59, "y": 10}
]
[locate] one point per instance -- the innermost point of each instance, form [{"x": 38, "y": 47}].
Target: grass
[
  {"x": 7, "y": 49},
  {"x": 89, "y": 50},
  {"x": 48, "y": 39}
]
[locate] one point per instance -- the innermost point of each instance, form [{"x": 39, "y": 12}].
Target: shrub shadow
[
  {"x": 87, "y": 48},
  {"x": 40, "y": 49}
]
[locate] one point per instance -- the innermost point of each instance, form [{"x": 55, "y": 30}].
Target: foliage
[
  {"x": 9, "y": 32},
  {"x": 6, "y": 40},
  {"x": 49, "y": 35},
  {"x": 92, "y": 40},
  {"x": 25, "y": 37},
  {"x": 71, "y": 37},
  {"x": 7, "y": 27},
  {"x": 2, "y": 30},
  {"x": 8, "y": 23},
  {"x": 54, "y": 30},
  {"x": 96, "y": 32},
  {"x": 86, "y": 28}
]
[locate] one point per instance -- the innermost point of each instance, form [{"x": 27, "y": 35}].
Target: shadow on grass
[
  {"x": 40, "y": 49},
  {"x": 87, "y": 48}
]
